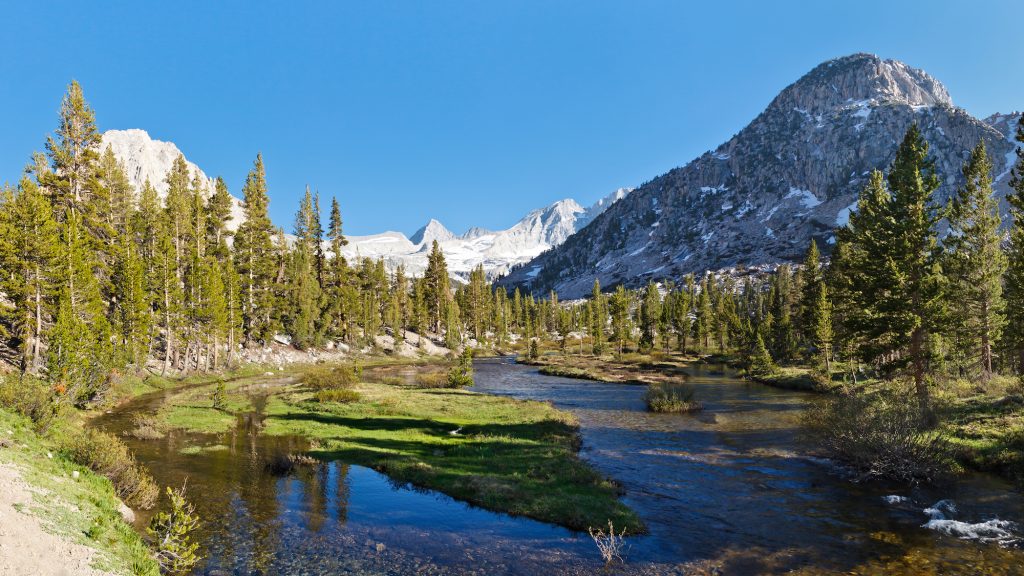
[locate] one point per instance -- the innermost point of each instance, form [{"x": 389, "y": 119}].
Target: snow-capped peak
[{"x": 433, "y": 230}]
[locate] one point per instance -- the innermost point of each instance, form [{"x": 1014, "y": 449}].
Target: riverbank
[
  {"x": 57, "y": 517},
  {"x": 505, "y": 455},
  {"x": 983, "y": 423}
]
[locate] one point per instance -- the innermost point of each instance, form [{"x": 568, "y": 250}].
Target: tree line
[{"x": 99, "y": 278}]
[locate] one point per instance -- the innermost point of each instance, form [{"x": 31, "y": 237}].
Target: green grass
[
  {"x": 193, "y": 409},
  {"x": 795, "y": 378},
  {"x": 569, "y": 372},
  {"x": 984, "y": 424},
  {"x": 84, "y": 510},
  {"x": 513, "y": 456}
]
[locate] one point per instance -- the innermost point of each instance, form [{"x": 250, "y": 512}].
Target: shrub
[
  {"x": 610, "y": 544},
  {"x": 110, "y": 457},
  {"x": 326, "y": 378},
  {"x": 880, "y": 435},
  {"x": 676, "y": 398},
  {"x": 432, "y": 380},
  {"x": 219, "y": 395},
  {"x": 336, "y": 395},
  {"x": 172, "y": 530},
  {"x": 461, "y": 374},
  {"x": 534, "y": 349},
  {"x": 30, "y": 397}
]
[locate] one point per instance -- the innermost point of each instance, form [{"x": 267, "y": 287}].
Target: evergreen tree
[
  {"x": 598, "y": 317},
  {"x": 650, "y": 313},
  {"x": 810, "y": 292},
  {"x": 73, "y": 154},
  {"x": 1013, "y": 336},
  {"x": 619, "y": 309},
  {"x": 976, "y": 263},
  {"x": 29, "y": 246},
  {"x": 254, "y": 257},
  {"x": 437, "y": 288},
  {"x": 893, "y": 265}
]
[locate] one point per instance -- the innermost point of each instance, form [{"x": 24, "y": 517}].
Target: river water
[{"x": 733, "y": 489}]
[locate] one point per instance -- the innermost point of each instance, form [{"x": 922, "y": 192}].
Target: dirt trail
[{"x": 26, "y": 548}]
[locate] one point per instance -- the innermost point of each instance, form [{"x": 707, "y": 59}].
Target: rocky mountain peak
[
  {"x": 791, "y": 175},
  {"x": 861, "y": 78},
  {"x": 433, "y": 230}
]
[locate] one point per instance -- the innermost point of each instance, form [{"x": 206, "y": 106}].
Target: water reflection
[{"x": 733, "y": 486}]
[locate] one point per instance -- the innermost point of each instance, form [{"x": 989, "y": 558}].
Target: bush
[
  {"x": 110, "y": 457},
  {"x": 881, "y": 435},
  {"x": 174, "y": 549},
  {"x": 326, "y": 378},
  {"x": 432, "y": 380},
  {"x": 461, "y": 374},
  {"x": 671, "y": 398},
  {"x": 219, "y": 395},
  {"x": 336, "y": 395},
  {"x": 30, "y": 397}
]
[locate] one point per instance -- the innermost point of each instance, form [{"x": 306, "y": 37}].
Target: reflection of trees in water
[{"x": 341, "y": 491}]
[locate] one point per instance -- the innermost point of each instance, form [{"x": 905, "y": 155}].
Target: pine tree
[
  {"x": 892, "y": 266},
  {"x": 822, "y": 329},
  {"x": 73, "y": 154},
  {"x": 29, "y": 246},
  {"x": 976, "y": 263},
  {"x": 619, "y": 309},
  {"x": 437, "y": 288},
  {"x": 80, "y": 351},
  {"x": 810, "y": 291},
  {"x": 218, "y": 211},
  {"x": 1013, "y": 336},
  {"x": 598, "y": 317},
  {"x": 650, "y": 313},
  {"x": 254, "y": 257},
  {"x": 305, "y": 284}
]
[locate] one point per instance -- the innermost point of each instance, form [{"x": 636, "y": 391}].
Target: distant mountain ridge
[
  {"x": 145, "y": 158},
  {"x": 498, "y": 251},
  {"x": 792, "y": 174}
]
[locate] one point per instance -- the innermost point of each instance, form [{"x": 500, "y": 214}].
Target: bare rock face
[
  {"x": 146, "y": 159},
  {"x": 791, "y": 175}
]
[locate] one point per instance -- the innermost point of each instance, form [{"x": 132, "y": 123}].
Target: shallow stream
[{"x": 733, "y": 487}]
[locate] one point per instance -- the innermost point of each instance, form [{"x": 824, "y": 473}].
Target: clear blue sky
[{"x": 472, "y": 112}]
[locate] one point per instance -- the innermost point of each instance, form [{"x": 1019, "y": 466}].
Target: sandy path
[{"x": 26, "y": 549}]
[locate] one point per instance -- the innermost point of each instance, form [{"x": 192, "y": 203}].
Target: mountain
[
  {"x": 433, "y": 230},
  {"x": 498, "y": 251},
  {"x": 792, "y": 174},
  {"x": 147, "y": 159}
]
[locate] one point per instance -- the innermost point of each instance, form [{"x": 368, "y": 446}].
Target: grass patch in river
[
  {"x": 193, "y": 409},
  {"x": 505, "y": 455},
  {"x": 197, "y": 450}
]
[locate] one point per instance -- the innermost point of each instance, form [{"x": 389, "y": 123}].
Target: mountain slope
[{"x": 791, "y": 175}]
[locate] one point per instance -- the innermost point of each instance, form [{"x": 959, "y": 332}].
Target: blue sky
[{"x": 471, "y": 112}]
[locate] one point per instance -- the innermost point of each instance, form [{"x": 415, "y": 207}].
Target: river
[{"x": 733, "y": 489}]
